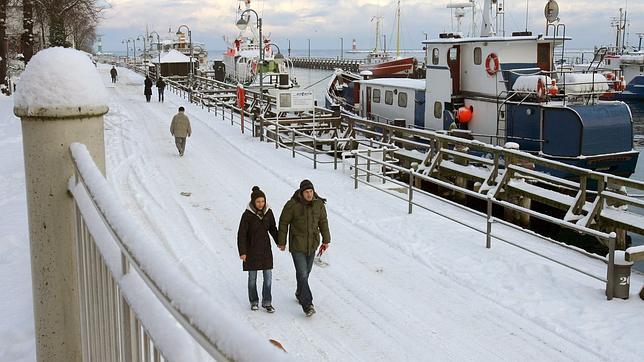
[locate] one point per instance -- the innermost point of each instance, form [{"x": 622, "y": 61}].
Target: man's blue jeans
[
  {"x": 266, "y": 288},
  {"x": 303, "y": 265}
]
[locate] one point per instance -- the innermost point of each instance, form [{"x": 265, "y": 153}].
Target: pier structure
[
  {"x": 350, "y": 65},
  {"x": 588, "y": 214}
]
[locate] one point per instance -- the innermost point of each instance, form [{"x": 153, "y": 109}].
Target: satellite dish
[{"x": 551, "y": 11}]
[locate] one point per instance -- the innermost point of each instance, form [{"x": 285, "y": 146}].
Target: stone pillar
[{"x": 47, "y": 132}]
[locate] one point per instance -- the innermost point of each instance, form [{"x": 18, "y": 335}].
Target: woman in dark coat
[
  {"x": 148, "y": 88},
  {"x": 254, "y": 244}
]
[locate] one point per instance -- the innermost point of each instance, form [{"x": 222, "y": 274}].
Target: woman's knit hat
[{"x": 255, "y": 194}]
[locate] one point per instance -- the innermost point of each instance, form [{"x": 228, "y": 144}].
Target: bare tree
[
  {"x": 27, "y": 38},
  {"x": 3, "y": 41},
  {"x": 69, "y": 18}
]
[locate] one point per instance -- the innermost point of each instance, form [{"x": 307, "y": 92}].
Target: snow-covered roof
[
  {"x": 418, "y": 84},
  {"x": 174, "y": 56},
  {"x": 62, "y": 78}
]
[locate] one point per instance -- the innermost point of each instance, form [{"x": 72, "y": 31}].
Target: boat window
[
  {"x": 641, "y": 69},
  {"x": 389, "y": 97},
  {"x": 376, "y": 96},
  {"x": 453, "y": 54},
  {"x": 478, "y": 57},
  {"x": 402, "y": 99},
  {"x": 438, "y": 110},
  {"x": 435, "y": 56}
]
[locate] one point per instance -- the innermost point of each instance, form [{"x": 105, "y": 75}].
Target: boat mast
[{"x": 398, "y": 30}]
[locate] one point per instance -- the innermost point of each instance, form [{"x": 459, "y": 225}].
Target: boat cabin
[{"x": 388, "y": 99}]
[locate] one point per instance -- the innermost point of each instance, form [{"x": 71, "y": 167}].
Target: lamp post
[
  {"x": 341, "y": 47},
  {"x": 279, "y": 57},
  {"x": 309, "y": 42},
  {"x": 242, "y": 24},
  {"x": 425, "y": 48},
  {"x": 158, "y": 52},
  {"x": 191, "y": 52},
  {"x": 127, "y": 49},
  {"x": 133, "y": 49},
  {"x": 145, "y": 47},
  {"x": 289, "y": 47}
]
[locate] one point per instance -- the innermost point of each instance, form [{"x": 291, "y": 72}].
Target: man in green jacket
[{"x": 304, "y": 218}]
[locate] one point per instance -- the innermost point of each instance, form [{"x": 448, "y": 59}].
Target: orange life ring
[
  {"x": 492, "y": 58},
  {"x": 541, "y": 88}
]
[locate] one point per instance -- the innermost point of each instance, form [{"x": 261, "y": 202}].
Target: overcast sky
[{"x": 325, "y": 21}]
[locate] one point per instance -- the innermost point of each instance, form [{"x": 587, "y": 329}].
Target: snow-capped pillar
[{"x": 60, "y": 99}]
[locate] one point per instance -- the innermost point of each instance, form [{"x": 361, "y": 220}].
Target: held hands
[
  {"x": 324, "y": 246},
  {"x": 242, "y": 257}
]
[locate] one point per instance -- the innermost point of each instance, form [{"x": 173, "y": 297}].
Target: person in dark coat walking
[
  {"x": 161, "y": 88},
  {"x": 114, "y": 74},
  {"x": 147, "y": 90},
  {"x": 303, "y": 219},
  {"x": 254, "y": 245}
]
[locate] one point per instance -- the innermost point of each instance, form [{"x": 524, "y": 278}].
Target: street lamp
[
  {"x": 242, "y": 24},
  {"x": 127, "y": 49},
  {"x": 278, "y": 58},
  {"x": 145, "y": 47},
  {"x": 289, "y": 47},
  {"x": 133, "y": 49},
  {"x": 158, "y": 52},
  {"x": 341, "y": 47},
  {"x": 191, "y": 52}
]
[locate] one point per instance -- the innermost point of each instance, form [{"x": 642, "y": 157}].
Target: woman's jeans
[{"x": 266, "y": 288}]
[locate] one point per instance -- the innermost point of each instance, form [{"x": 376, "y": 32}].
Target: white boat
[{"x": 242, "y": 57}]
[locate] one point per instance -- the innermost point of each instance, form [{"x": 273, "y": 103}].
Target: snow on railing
[{"x": 135, "y": 302}]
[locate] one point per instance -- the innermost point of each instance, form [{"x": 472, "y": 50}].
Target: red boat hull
[{"x": 403, "y": 67}]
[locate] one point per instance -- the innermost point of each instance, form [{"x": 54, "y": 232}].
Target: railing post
[
  {"x": 48, "y": 129},
  {"x": 315, "y": 152},
  {"x": 610, "y": 285},
  {"x": 411, "y": 189},
  {"x": 355, "y": 169},
  {"x": 335, "y": 153},
  {"x": 488, "y": 233},
  {"x": 293, "y": 143},
  {"x": 369, "y": 165}
]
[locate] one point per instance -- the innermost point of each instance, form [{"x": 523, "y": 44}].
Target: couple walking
[{"x": 303, "y": 219}]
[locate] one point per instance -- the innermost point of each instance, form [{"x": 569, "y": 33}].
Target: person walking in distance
[
  {"x": 114, "y": 74},
  {"x": 256, "y": 227},
  {"x": 147, "y": 89},
  {"x": 303, "y": 219},
  {"x": 180, "y": 129},
  {"x": 161, "y": 88}
]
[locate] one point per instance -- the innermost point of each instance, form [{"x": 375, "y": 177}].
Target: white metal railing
[
  {"x": 130, "y": 308},
  {"x": 364, "y": 170}
]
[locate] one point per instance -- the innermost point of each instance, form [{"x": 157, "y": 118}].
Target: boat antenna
[
  {"x": 398, "y": 30},
  {"x": 527, "y": 14}
]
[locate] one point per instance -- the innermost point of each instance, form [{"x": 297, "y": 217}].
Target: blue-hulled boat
[{"x": 506, "y": 89}]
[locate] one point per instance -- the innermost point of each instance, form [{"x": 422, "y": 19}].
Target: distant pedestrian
[
  {"x": 254, "y": 245},
  {"x": 114, "y": 74},
  {"x": 161, "y": 88},
  {"x": 304, "y": 219},
  {"x": 147, "y": 90},
  {"x": 180, "y": 129}
]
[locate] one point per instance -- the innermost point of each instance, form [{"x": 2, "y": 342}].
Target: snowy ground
[
  {"x": 399, "y": 286},
  {"x": 16, "y": 316}
]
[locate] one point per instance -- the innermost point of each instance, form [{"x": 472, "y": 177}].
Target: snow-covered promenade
[{"x": 398, "y": 287}]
